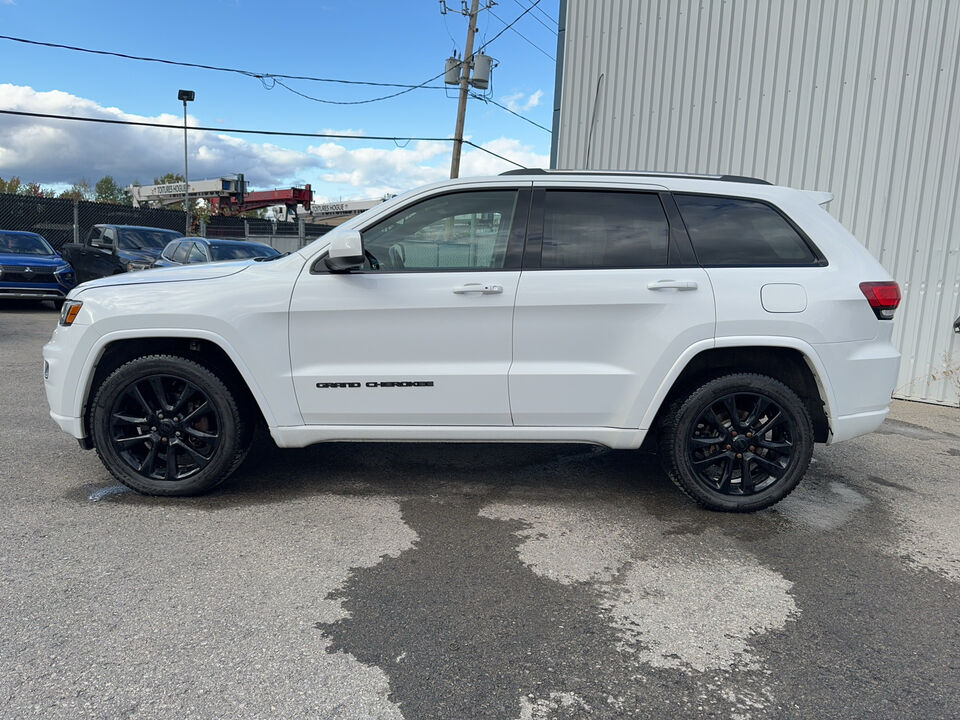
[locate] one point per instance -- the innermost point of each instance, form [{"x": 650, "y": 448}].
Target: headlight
[
  {"x": 64, "y": 273},
  {"x": 68, "y": 313}
]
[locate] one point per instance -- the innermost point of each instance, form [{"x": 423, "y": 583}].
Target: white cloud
[
  {"x": 521, "y": 102},
  {"x": 60, "y": 152}
]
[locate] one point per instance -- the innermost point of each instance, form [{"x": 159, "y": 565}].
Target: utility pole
[{"x": 464, "y": 90}]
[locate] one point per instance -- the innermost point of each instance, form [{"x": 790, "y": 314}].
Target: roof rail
[{"x": 643, "y": 173}]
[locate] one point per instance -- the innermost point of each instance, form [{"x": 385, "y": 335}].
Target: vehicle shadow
[{"x": 440, "y": 472}]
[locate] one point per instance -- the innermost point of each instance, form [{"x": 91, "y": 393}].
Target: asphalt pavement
[{"x": 472, "y": 581}]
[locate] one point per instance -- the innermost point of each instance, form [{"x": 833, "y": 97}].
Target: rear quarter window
[{"x": 731, "y": 232}]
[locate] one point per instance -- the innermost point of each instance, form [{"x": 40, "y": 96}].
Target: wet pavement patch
[
  {"x": 465, "y": 630},
  {"x": 107, "y": 492}
]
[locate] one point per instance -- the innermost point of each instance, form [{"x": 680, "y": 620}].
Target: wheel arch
[
  {"x": 205, "y": 348},
  {"x": 788, "y": 360}
]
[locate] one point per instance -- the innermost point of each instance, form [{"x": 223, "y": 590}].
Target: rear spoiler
[{"x": 821, "y": 198}]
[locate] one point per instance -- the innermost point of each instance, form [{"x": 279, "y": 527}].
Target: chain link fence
[{"x": 61, "y": 221}]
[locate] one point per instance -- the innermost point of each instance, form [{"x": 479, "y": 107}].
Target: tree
[
  {"x": 107, "y": 191},
  {"x": 168, "y": 178},
  {"x": 80, "y": 190},
  {"x": 11, "y": 186}
]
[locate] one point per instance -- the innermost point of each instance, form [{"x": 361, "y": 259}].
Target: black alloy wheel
[
  {"x": 165, "y": 425},
  {"x": 741, "y": 444},
  {"x": 738, "y": 443}
]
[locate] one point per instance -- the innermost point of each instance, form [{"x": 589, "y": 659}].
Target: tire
[
  {"x": 709, "y": 443},
  {"x": 165, "y": 425}
]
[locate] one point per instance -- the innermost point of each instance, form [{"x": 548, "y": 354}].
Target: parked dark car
[
  {"x": 30, "y": 269},
  {"x": 189, "y": 250},
  {"x": 112, "y": 249}
]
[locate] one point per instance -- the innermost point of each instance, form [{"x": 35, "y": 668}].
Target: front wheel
[
  {"x": 738, "y": 443},
  {"x": 165, "y": 425}
]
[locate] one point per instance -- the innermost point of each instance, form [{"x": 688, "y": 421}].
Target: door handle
[
  {"x": 672, "y": 285},
  {"x": 478, "y": 288}
]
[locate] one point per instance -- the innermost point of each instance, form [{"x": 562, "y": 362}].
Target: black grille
[{"x": 34, "y": 276}]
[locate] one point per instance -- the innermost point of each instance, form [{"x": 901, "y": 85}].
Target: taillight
[{"x": 884, "y": 297}]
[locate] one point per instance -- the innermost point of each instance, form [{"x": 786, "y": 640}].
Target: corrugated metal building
[{"x": 858, "y": 97}]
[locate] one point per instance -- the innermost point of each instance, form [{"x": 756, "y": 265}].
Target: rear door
[
  {"x": 609, "y": 298},
  {"x": 421, "y": 336}
]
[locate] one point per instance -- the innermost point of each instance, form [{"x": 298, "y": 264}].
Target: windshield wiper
[{"x": 272, "y": 257}]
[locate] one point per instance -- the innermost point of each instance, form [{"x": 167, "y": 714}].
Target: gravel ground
[{"x": 472, "y": 581}]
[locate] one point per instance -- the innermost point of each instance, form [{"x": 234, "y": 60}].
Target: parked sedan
[
  {"x": 30, "y": 269},
  {"x": 190, "y": 250}
]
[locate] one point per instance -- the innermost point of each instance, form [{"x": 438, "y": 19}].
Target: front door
[{"x": 423, "y": 334}]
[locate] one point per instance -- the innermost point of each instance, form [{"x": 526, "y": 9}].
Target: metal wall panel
[{"x": 859, "y": 97}]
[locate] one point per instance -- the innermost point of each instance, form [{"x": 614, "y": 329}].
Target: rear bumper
[
  {"x": 863, "y": 376},
  {"x": 850, "y": 426}
]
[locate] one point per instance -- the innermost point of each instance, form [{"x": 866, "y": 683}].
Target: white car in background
[{"x": 732, "y": 322}]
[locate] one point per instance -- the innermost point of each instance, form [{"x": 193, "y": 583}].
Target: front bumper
[{"x": 28, "y": 291}]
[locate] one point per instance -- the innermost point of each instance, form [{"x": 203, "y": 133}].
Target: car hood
[
  {"x": 144, "y": 255},
  {"x": 36, "y": 261},
  {"x": 200, "y": 271}
]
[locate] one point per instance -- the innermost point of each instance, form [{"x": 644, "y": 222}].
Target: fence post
[
  {"x": 203, "y": 227},
  {"x": 302, "y": 231},
  {"x": 76, "y": 220},
  {"x": 246, "y": 229}
]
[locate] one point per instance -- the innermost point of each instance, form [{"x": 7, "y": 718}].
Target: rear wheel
[
  {"x": 737, "y": 443},
  {"x": 165, "y": 425}
]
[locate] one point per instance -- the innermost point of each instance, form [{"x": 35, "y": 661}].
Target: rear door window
[
  {"x": 603, "y": 229},
  {"x": 180, "y": 254},
  {"x": 733, "y": 232}
]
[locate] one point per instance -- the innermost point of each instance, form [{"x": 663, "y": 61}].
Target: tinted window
[
  {"x": 241, "y": 252},
  {"x": 180, "y": 254},
  {"x": 169, "y": 250},
  {"x": 196, "y": 254},
  {"x": 24, "y": 244},
  {"x": 730, "y": 232},
  {"x": 146, "y": 238},
  {"x": 588, "y": 229},
  {"x": 460, "y": 231}
]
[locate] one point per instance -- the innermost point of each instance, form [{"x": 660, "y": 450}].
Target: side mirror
[{"x": 346, "y": 252}]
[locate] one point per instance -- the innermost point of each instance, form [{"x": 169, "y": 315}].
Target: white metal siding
[{"x": 859, "y": 97}]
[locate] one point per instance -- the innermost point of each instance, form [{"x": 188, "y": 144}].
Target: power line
[
  {"x": 409, "y": 88},
  {"x": 201, "y": 66},
  {"x": 531, "y": 42},
  {"x": 535, "y": 3},
  {"x": 477, "y": 96},
  {"x": 243, "y": 131},
  {"x": 541, "y": 12}
]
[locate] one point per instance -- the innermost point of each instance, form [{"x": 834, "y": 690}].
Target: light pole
[{"x": 186, "y": 96}]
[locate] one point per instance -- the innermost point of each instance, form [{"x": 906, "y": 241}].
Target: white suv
[{"x": 733, "y": 322}]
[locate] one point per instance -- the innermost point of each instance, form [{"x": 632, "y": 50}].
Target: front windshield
[
  {"x": 24, "y": 244},
  {"x": 240, "y": 252},
  {"x": 144, "y": 239}
]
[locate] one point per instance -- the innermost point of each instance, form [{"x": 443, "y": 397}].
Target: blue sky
[{"x": 402, "y": 41}]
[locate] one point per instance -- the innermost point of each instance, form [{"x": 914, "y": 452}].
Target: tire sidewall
[{"x": 219, "y": 396}]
